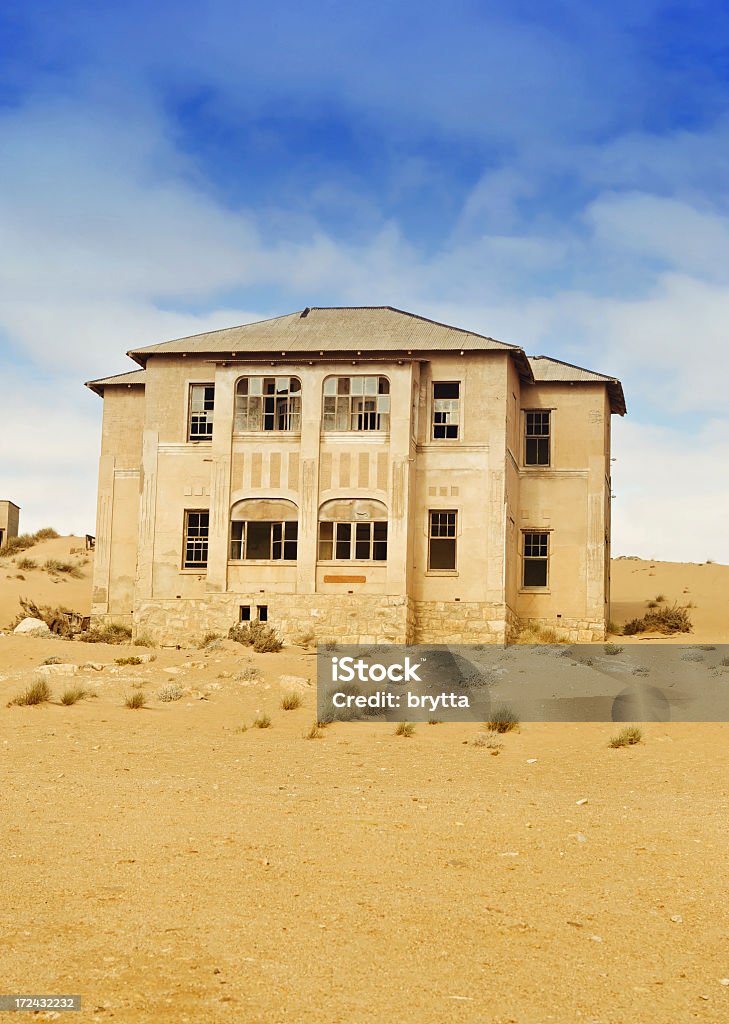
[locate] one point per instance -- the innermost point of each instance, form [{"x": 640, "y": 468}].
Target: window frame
[
  {"x": 434, "y": 412},
  {"x": 189, "y": 565},
  {"x": 432, "y": 512},
  {"x": 345, "y": 532},
  {"x": 283, "y": 542},
  {"x": 537, "y": 437},
  {"x": 347, "y": 398},
  {"x": 290, "y": 397},
  {"x": 532, "y": 558},
  {"x": 191, "y": 412}
]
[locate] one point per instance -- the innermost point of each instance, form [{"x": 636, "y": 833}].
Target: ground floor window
[
  {"x": 251, "y": 539},
  {"x": 195, "y": 547},
  {"x": 341, "y": 542},
  {"x": 442, "y": 539},
  {"x": 535, "y": 572}
]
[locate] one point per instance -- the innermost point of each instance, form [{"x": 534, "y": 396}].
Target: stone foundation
[
  {"x": 573, "y": 630},
  {"x": 460, "y": 622},
  {"x": 342, "y": 618}
]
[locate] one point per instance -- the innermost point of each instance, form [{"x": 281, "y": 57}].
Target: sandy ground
[{"x": 170, "y": 867}]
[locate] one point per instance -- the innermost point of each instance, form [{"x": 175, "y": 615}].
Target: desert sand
[{"x": 169, "y": 865}]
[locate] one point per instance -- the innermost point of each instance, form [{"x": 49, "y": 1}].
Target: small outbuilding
[{"x": 9, "y": 518}]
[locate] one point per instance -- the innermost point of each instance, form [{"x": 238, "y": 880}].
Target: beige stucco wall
[{"x": 150, "y": 474}]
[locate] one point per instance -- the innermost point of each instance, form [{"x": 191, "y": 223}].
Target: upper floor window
[
  {"x": 200, "y": 416},
  {"x": 356, "y": 403},
  {"x": 268, "y": 403},
  {"x": 446, "y": 410},
  {"x": 537, "y": 437},
  {"x": 195, "y": 543},
  {"x": 535, "y": 570},
  {"x": 442, "y": 539}
]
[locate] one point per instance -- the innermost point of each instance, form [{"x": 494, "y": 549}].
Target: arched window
[
  {"x": 353, "y": 529},
  {"x": 268, "y": 403},
  {"x": 264, "y": 529},
  {"x": 356, "y": 403}
]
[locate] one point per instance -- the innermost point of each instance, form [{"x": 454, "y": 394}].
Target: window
[
  {"x": 536, "y": 437},
  {"x": 252, "y": 539},
  {"x": 200, "y": 420},
  {"x": 442, "y": 540},
  {"x": 536, "y": 554},
  {"x": 245, "y": 613},
  {"x": 446, "y": 410},
  {"x": 343, "y": 542},
  {"x": 268, "y": 403},
  {"x": 356, "y": 403},
  {"x": 262, "y": 612},
  {"x": 197, "y": 526}
]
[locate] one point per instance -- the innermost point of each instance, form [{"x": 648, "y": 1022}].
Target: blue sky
[{"x": 555, "y": 175}]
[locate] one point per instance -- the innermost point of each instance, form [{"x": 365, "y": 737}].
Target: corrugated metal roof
[
  {"x": 133, "y": 377},
  {"x": 332, "y": 329},
  {"x": 548, "y": 370}
]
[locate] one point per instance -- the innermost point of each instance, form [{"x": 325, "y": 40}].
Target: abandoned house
[
  {"x": 363, "y": 474},
  {"x": 9, "y": 520}
]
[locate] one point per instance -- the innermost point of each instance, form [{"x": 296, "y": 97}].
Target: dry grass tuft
[
  {"x": 73, "y": 695},
  {"x": 39, "y": 692},
  {"x": 132, "y": 659},
  {"x": 503, "y": 720},
  {"x": 314, "y": 732},
  {"x": 613, "y": 649},
  {"x": 405, "y": 729},
  {"x": 262, "y": 722},
  {"x": 56, "y": 568},
  {"x": 290, "y": 702},
  {"x": 489, "y": 740},
  {"x": 26, "y": 564},
  {"x": 135, "y": 700},
  {"x": 306, "y": 638},
  {"x": 627, "y": 737},
  {"x": 208, "y": 638}
]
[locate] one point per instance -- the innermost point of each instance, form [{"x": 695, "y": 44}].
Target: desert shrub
[
  {"x": 627, "y": 737},
  {"x": 13, "y": 545},
  {"x": 652, "y": 604},
  {"x": 262, "y": 722},
  {"x": 72, "y": 695},
  {"x": 614, "y": 628},
  {"x": 135, "y": 700},
  {"x": 39, "y": 692},
  {"x": 133, "y": 659},
  {"x": 53, "y": 660},
  {"x": 208, "y": 638},
  {"x": 55, "y": 567},
  {"x": 46, "y": 533},
  {"x": 290, "y": 702},
  {"x": 248, "y": 674},
  {"x": 692, "y": 656},
  {"x": 169, "y": 693},
  {"x": 533, "y": 633},
  {"x": 435, "y": 721},
  {"x": 489, "y": 740},
  {"x": 661, "y": 598},
  {"x": 405, "y": 729},
  {"x": 108, "y": 633},
  {"x": 306, "y": 638},
  {"x": 503, "y": 719},
  {"x": 724, "y": 662},
  {"x": 144, "y": 640},
  {"x": 666, "y": 619},
  {"x": 262, "y": 638},
  {"x": 26, "y": 564},
  {"x": 314, "y": 732},
  {"x": 641, "y": 670},
  {"x": 613, "y": 649}
]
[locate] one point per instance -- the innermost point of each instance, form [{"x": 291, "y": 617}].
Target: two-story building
[{"x": 364, "y": 473}]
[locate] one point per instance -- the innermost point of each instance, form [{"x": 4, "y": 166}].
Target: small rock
[
  {"x": 173, "y": 671},
  {"x": 294, "y": 682},
  {"x": 531, "y": 760},
  {"x": 56, "y": 670},
  {"x": 582, "y": 802},
  {"x": 596, "y": 938},
  {"x": 34, "y": 627},
  {"x": 724, "y": 981},
  {"x": 676, "y": 918},
  {"x": 95, "y": 666},
  {"x": 580, "y": 837}
]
